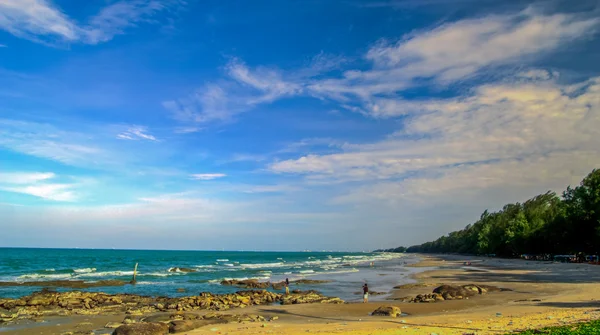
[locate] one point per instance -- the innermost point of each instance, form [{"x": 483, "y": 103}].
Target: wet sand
[{"x": 543, "y": 294}]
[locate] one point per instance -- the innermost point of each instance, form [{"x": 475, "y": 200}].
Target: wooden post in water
[{"x": 134, "y": 273}]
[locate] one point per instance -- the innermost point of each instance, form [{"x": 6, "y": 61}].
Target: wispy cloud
[
  {"x": 3, "y": 46},
  {"x": 506, "y": 126},
  {"x": 441, "y": 55},
  {"x": 136, "y": 133},
  {"x": 46, "y": 141},
  {"x": 243, "y": 90},
  {"x": 452, "y": 52},
  {"x": 44, "y": 22},
  {"x": 34, "y": 183},
  {"x": 207, "y": 176},
  {"x": 24, "y": 177}
]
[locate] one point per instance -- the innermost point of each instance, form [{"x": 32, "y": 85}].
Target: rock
[
  {"x": 165, "y": 318},
  {"x": 182, "y": 326},
  {"x": 278, "y": 286},
  {"x": 128, "y": 320},
  {"x": 451, "y": 292},
  {"x": 392, "y": 311},
  {"x": 179, "y": 326},
  {"x": 177, "y": 269},
  {"x": 142, "y": 328},
  {"x": 273, "y": 318},
  {"x": 247, "y": 283},
  {"x": 180, "y": 290},
  {"x": 113, "y": 325}
]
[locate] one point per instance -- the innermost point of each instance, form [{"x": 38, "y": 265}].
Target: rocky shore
[
  {"x": 253, "y": 283},
  {"x": 48, "y": 303},
  {"x": 452, "y": 292}
]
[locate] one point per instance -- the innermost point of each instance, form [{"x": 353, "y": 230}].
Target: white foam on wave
[
  {"x": 342, "y": 271},
  {"x": 84, "y": 270},
  {"x": 41, "y": 276},
  {"x": 49, "y": 270},
  {"x": 262, "y": 265},
  {"x": 228, "y": 264},
  {"x": 306, "y": 271},
  {"x": 223, "y": 260},
  {"x": 106, "y": 274}
]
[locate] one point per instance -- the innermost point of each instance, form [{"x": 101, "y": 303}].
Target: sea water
[{"x": 156, "y": 275}]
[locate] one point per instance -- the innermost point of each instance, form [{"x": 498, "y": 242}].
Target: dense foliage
[
  {"x": 399, "y": 249},
  {"x": 588, "y": 328},
  {"x": 545, "y": 224}
]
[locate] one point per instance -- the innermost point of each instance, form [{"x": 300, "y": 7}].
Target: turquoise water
[{"x": 348, "y": 270}]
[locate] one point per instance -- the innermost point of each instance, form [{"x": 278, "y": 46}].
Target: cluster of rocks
[
  {"x": 392, "y": 311},
  {"x": 307, "y": 297},
  {"x": 48, "y": 303},
  {"x": 253, "y": 283},
  {"x": 179, "y": 322},
  {"x": 452, "y": 292},
  {"x": 246, "y": 283}
]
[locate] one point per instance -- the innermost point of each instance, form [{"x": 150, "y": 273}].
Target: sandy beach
[{"x": 541, "y": 294}]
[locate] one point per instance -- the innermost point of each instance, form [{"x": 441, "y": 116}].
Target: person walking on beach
[
  {"x": 365, "y": 293},
  {"x": 287, "y": 286}
]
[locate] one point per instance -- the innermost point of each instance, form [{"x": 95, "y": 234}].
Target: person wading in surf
[
  {"x": 287, "y": 286},
  {"x": 365, "y": 293}
]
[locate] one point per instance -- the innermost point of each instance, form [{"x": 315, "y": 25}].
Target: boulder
[
  {"x": 113, "y": 325},
  {"x": 449, "y": 292},
  {"x": 179, "y": 326},
  {"x": 142, "y": 328},
  {"x": 392, "y": 311}
]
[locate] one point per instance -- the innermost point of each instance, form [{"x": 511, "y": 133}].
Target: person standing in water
[
  {"x": 287, "y": 286},
  {"x": 365, "y": 293}
]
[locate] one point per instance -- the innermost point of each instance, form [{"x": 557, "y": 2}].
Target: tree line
[{"x": 543, "y": 225}]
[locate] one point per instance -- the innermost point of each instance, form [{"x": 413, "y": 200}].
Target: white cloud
[
  {"x": 46, "y": 141},
  {"x": 221, "y": 101},
  {"x": 207, "y": 176},
  {"x": 452, "y": 52},
  {"x": 56, "y": 192},
  {"x": 3, "y": 46},
  {"x": 514, "y": 123},
  {"x": 34, "y": 183},
  {"x": 456, "y": 50},
  {"x": 24, "y": 177},
  {"x": 187, "y": 130},
  {"x": 269, "y": 189},
  {"x": 136, "y": 133},
  {"x": 42, "y": 21},
  {"x": 445, "y": 54}
]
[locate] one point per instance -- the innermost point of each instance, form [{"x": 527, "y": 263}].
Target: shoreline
[{"x": 543, "y": 294}]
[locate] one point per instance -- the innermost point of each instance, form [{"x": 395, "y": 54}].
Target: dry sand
[{"x": 543, "y": 294}]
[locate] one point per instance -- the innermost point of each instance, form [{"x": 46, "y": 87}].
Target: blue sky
[{"x": 287, "y": 125}]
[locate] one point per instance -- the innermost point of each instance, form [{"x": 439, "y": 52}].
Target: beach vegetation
[{"x": 547, "y": 226}]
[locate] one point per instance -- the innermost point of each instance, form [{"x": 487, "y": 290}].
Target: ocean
[{"x": 348, "y": 271}]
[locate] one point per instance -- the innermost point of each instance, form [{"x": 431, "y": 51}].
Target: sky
[{"x": 287, "y": 125}]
